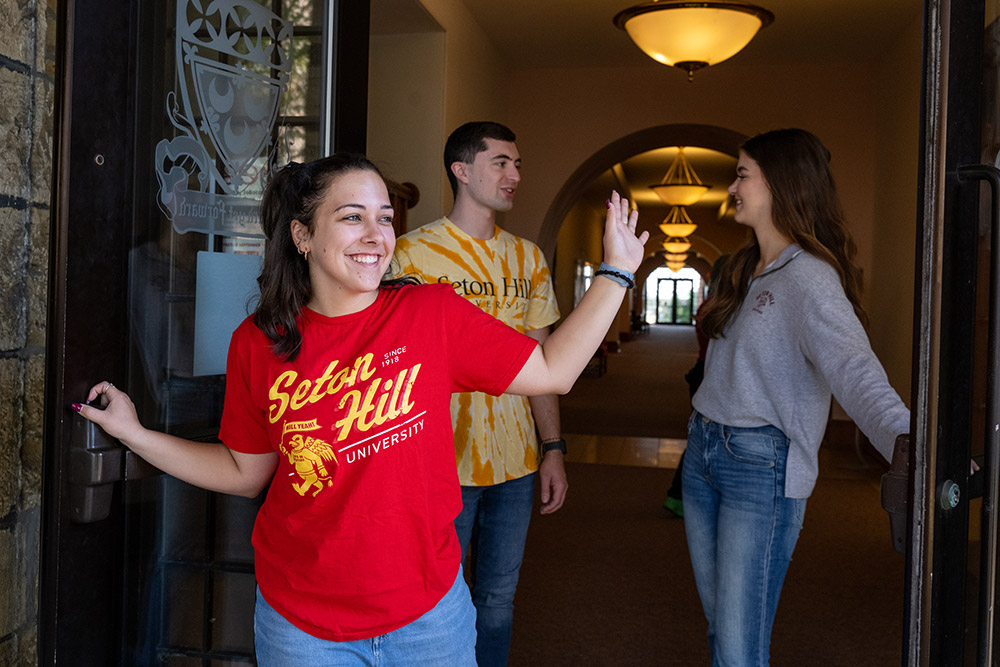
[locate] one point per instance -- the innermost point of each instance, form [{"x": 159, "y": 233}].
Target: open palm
[{"x": 622, "y": 248}]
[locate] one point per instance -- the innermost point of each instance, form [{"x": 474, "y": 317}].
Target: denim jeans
[
  {"x": 443, "y": 637},
  {"x": 741, "y": 531},
  {"x": 494, "y": 522}
]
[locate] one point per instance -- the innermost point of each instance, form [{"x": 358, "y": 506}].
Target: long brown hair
[
  {"x": 804, "y": 208},
  {"x": 294, "y": 193}
]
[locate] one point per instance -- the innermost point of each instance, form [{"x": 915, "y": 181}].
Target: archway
[
  {"x": 571, "y": 207},
  {"x": 650, "y": 368},
  {"x": 716, "y": 138}
]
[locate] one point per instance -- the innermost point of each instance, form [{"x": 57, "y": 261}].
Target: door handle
[
  {"x": 896, "y": 492},
  {"x": 96, "y": 462},
  {"x": 988, "y": 557}
]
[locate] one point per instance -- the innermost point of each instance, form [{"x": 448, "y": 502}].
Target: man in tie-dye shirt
[{"x": 497, "y": 449}]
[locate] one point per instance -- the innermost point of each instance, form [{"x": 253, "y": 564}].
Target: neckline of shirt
[
  {"x": 320, "y": 318},
  {"x": 496, "y": 232},
  {"x": 795, "y": 251}
]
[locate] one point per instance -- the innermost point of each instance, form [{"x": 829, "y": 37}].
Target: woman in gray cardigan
[{"x": 786, "y": 329}]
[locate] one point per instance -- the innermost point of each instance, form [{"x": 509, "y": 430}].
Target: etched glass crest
[{"x": 233, "y": 66}]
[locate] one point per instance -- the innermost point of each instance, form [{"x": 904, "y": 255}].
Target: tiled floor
[
  {"x": 845, "y": 453},
  {"x": 624, "y": 450}
]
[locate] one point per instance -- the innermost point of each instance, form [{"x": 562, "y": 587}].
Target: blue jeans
[
  {"x": 494, "y": 520},
  {"x": 741, "y": 531},
  {"x": 443, "y": 637}
]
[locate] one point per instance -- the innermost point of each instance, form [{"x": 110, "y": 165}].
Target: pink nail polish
[
  {"x": 76, "y": 406},
  {"x": 608, "y": 202}
]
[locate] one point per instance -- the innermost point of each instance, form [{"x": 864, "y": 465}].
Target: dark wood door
[{"x": 951, "y": 563}]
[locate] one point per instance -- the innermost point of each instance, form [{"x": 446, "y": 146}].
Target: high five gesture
[{"x": 557, "y": 363}]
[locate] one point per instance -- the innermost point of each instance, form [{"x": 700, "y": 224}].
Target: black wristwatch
[{"x": 553, "y": 445}]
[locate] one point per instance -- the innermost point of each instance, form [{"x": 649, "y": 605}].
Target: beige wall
[
  {"x": 866, "y": 113},
  {"x": 471, "y": 83},
  {"x": 406, "y": 112},
  {"x": 889, "y": 283},
  {"x": 835, "y": 101},
  {"x": 579, "y": 238}
]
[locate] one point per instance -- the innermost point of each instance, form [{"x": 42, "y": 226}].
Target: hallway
[
  {"x": 607, "y": 581},
  {"x": 643, "y": 392}
]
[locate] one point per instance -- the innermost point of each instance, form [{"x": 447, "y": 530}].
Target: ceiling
[
  {"x": 534, "y": 34},
  {"x": 580, "y": 33}
]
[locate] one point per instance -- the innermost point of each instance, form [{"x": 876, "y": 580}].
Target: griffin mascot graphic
[{"x": 309, "y": 457}]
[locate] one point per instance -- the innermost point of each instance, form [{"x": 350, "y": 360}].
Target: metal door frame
[{"x": 945, "y": 294}]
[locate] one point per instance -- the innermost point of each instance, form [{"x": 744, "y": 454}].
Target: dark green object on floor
[{"x": 675, "y": 505}]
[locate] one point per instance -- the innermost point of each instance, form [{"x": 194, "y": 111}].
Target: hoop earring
[{"x": 305, "y": 255}]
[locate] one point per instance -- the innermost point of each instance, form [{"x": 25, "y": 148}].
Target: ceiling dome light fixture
[
  {"x": 675, "y": 266},
  {"x": 678, "y": 224},
  {"x": 692, "y": 35},
  {"x": 675, "y": 245},
  {"x": 680, "y": 185}
]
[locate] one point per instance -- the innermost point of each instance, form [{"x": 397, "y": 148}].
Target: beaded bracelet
[{"x": 620, "y": 276}]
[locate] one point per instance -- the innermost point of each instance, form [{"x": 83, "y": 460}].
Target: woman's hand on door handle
[
  {"x": 116, "y": 414},
  {"x": 210, "y": 465}
]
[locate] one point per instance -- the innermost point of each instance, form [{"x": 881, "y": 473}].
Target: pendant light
[
  {"x": 692, "y": 35},
  {"x": 678, "y": 224},
  {"x": 676, "y": 245},
  {"x": 680, "y": 185}
]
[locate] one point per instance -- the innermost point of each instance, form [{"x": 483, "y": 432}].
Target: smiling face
[
  {"x": 350, "y": 244},
  {"x": 751, "y": 194},
  {"x": 492, "y": 177}
]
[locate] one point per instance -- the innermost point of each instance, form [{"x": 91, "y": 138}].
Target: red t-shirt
[{"x": 355, "y": 537}]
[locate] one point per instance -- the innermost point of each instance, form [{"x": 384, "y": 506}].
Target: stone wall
[{"x": 27, "y": 83}]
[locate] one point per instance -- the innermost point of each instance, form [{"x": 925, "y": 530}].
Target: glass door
[
  {"x": 674, "y": 299},
  {"x": 172, "y": 115},
  {"x": 665, "y": 301},
  {"x": 683, "y": 301}
]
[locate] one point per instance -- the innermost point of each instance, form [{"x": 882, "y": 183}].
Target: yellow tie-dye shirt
[{"x": 507, "y": 277}]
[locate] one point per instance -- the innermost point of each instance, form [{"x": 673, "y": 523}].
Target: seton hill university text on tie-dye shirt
[{"x": 507, "y": 277}]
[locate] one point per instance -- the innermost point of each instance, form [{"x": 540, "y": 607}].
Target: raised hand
[{"x": 622, "y": 248}]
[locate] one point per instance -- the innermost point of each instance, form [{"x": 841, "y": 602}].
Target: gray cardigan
[{"x": 795, "y": 340}]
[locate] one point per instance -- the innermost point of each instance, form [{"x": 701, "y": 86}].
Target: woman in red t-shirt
[{"x": 337, "y": 401}]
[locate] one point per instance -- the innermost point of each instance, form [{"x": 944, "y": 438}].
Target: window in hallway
[
  {"x": 582, "y": 280},
  {"x": 672, "y": 298}
]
